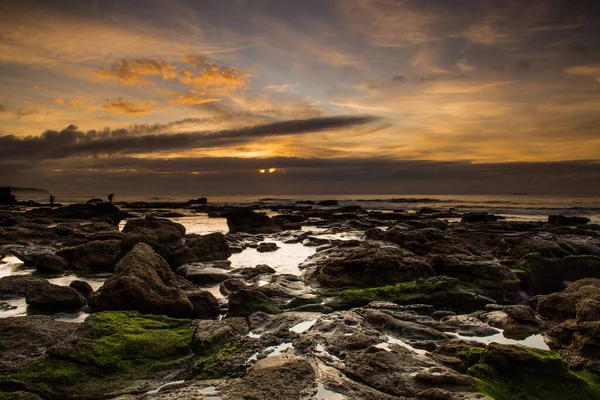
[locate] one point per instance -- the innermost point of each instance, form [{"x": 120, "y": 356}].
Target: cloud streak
[{"x": 72, "y": 142}]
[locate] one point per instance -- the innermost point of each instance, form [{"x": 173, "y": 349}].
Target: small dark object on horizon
[
  {"x": 52, "y": 198},
  {"x": 110, "y": 197}
]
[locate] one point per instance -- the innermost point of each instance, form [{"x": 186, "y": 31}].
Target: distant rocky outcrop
[{"x": 93, "y": 211}]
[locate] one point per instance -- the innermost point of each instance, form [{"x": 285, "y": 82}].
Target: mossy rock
[
  {"x": 507, "y": 372},
  {"x": 225, "y": 362},
  {"x": 111, "y": 353},
  {"x": 441, "y": 291},
  {"x": 244, "y": 302}
]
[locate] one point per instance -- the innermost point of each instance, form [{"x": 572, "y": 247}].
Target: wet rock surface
[{"x": 391, "y": 305}]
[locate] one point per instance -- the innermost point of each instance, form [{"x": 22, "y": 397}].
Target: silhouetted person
[
  {"x": 110, "y": 197},
  {"x": 52, "y": 198}
]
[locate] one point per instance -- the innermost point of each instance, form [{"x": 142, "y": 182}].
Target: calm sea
[{"x": 513, "y": 207}]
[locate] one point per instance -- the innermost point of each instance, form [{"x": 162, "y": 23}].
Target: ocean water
[{"x": 512, "y": 207}]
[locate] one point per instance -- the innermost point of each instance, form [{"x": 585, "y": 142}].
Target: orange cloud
[
  {"x": 191, "y": 99},
  {"x": 128, "y": 107},
  {"x": 215, "y": 80},
  {"x": 58, "y": 100},
  {"x": 134, "y": 72},
  {"x": 79, "y": 103}
]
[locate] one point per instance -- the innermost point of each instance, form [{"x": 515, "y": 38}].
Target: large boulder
[
  {"x": 143, "y": 281},
  {"x": 54, "y": 298},
  {"x": 42, "y": 259},
  {"x": 209, "y": 247},
  {"x": 364, "y": 264},
  {"x": 94, "y": 211},
  {"x": 18, "y": 285},
  {"x": 163, "y": 235},
  {"x": 97, "y": 255},
  {"x": 248, "y": 221}
]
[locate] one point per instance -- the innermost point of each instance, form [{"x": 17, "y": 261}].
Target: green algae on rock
[
  {"x": 443, "y": 291},
  {"x": 507, "y": 372},
  {"x": 111, "y": 353}
]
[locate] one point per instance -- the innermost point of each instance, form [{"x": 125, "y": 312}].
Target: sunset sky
[{"x": 323, "y": 96}]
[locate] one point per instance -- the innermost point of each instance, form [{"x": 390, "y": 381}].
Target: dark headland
[{"x": 390, "y": 305}]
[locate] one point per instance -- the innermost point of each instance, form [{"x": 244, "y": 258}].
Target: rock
[
  {"x": 438, "y": 315},
  {"x": 266, "y": 247},
  {"x": 520, "y": 313},
  {"x": 478, "y": 217},
  {"x": 210, "y": 334},
  {"x": 489, "y": 277},
  {"x": 563, "y": 305},
  {"x": 328, "y": 203},
  {"x": 209, "y": 247},
  {"x": 441, "y": 292},
  {"x": 99, "y": 255},
  {"x": 517, "y": 371},
  {"x": 181, "y": 256},
  {"x": 95, "y": 200},
  {"x": 246, "y": 220},
  {"x": 402, "y": 329},
  {"x": 205, "y": 304},
  {"x": 22, "y": 338},
  {"x": 201, "y": 274},
  {"x": 244, "y": 302},
  {"x": 4, "y": 306},
  {"x": 516, "y": 248},
  {"x": 231, "y": 285},
  {"x": 363, "y": 264},
  {"x": 98, "y": 211},
  {"x": 588, "y": 310},
  {"x": 249, "y": 273},
  {"x": 198, "y": 201},
  {"x": 82, "y": 287},
  {"x": 18, "y": 285},
  {"x": 42, "y": 259},
  {"x": 288, "y": 377},
  {"x": 110, "y": 353},
  {"x": 144, "y": 282},
  {"x": 567, "y": 221},
  {"x": 54, "y": 298},
  {"x": 547, "y": 275},
  {"x": 163, "y": 235}
]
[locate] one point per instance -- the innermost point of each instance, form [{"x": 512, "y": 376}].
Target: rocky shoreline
[{"x": 388, "y": 305}]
